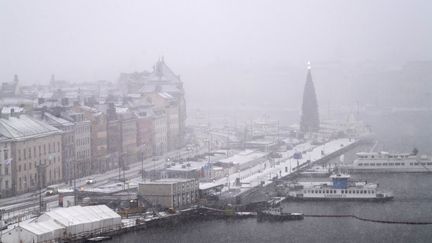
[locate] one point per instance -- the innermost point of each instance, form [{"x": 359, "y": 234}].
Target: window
[
  {"x": 397, "y": 163},
  {"x": 29, "y": 152},
  {"x": 19, "y": 168},
  {"x": 378, "y": 164},
  {"x": 360, "y": 164},
  {"x": 385, "y": 164},
  {"x": 5, "y": 154}
]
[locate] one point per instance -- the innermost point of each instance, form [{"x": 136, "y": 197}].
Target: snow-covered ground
[{"x": 263, "y": 173}]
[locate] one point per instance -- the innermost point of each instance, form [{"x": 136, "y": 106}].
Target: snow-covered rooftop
[
  {"x": 23, "y": 126},
  {"x": 40, "y": 228},
  {"x": 79, "y": 215},
  {"x": 244, "y": 157}
]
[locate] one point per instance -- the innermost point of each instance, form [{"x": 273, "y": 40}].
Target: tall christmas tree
[{"x": 310, "y": 117}]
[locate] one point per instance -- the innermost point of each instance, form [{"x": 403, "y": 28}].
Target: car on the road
[
  {"x": 53, "y": 189},
  {"x": 90, "y": 181}
]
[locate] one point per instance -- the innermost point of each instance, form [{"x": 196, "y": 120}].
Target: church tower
[{"x": 309, "y": 117}]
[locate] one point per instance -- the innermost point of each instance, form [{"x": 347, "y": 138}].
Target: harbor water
[{"x": 412, "y": 202}]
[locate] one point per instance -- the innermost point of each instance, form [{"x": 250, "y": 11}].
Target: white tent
[
  {"x": 73, "y": 222},
  {"x": 80, "y": 221},
  {"x": 47, "y": 231}
]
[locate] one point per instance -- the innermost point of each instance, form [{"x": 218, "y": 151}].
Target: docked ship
[
  {"x": 277, "y": 214},
  {"x": 389, "y": 162},
  {"x": 341, "y": 188}
]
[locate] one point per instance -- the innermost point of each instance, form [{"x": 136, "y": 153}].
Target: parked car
[{"x": 90, "y": 181}]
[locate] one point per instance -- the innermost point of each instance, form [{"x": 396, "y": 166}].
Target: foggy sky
[{"x": 216, "y": 46}]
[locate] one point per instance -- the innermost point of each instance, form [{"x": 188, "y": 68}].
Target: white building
[{"x": 65, "y": 223}]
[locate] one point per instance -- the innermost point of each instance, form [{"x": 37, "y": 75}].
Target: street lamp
[
  {"x": 41, "y": 179},
  {"x": 142, "y": 161}
]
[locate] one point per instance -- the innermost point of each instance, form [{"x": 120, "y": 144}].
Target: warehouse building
[{"x": 170, "y": 193}]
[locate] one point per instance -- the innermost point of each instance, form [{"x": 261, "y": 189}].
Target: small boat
[
  {"x": 277, "y": 214},
  {"x": 99, "y": 238}
]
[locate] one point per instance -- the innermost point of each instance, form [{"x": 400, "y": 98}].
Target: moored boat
[
  {"x": 341, "y": 189},
  {"x": 277, "y": 214},
  {"x": 389, "y": 162}
]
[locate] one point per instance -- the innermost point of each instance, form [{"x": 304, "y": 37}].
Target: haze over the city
[{"x": 253, "y": 52}]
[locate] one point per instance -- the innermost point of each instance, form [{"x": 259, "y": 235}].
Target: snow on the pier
[{"x": 264, "y": 173}]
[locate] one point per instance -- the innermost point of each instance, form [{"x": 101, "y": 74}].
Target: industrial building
[{"x": 170, "y": 193}]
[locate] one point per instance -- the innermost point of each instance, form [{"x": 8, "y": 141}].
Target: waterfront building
[
  {"x": 170, "y": 193},
  {"x": 145, "y": 126},
  {"x": 82, "y": 143},
  {"x": 68, "y": 141},
  {"x": 35, "y": 156},
  {"x": 99, "y": 138},
  {"x": 160, "y": 80},
  {"x": 164, "y": 101},
  {"x": 5, "y": 167},
  {"x": 128, "y": 126},
  {"x": 159, "y": 132},
  {"x": 122, "y": 135},
  {"x": 310, "y": 117}
]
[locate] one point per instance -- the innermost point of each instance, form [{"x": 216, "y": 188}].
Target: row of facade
[{"x": 55, "y": 133}]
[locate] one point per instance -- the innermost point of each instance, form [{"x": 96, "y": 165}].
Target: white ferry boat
[
  {"x": 341, "y": 189},
  {"x": 389, "y": 162}
]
